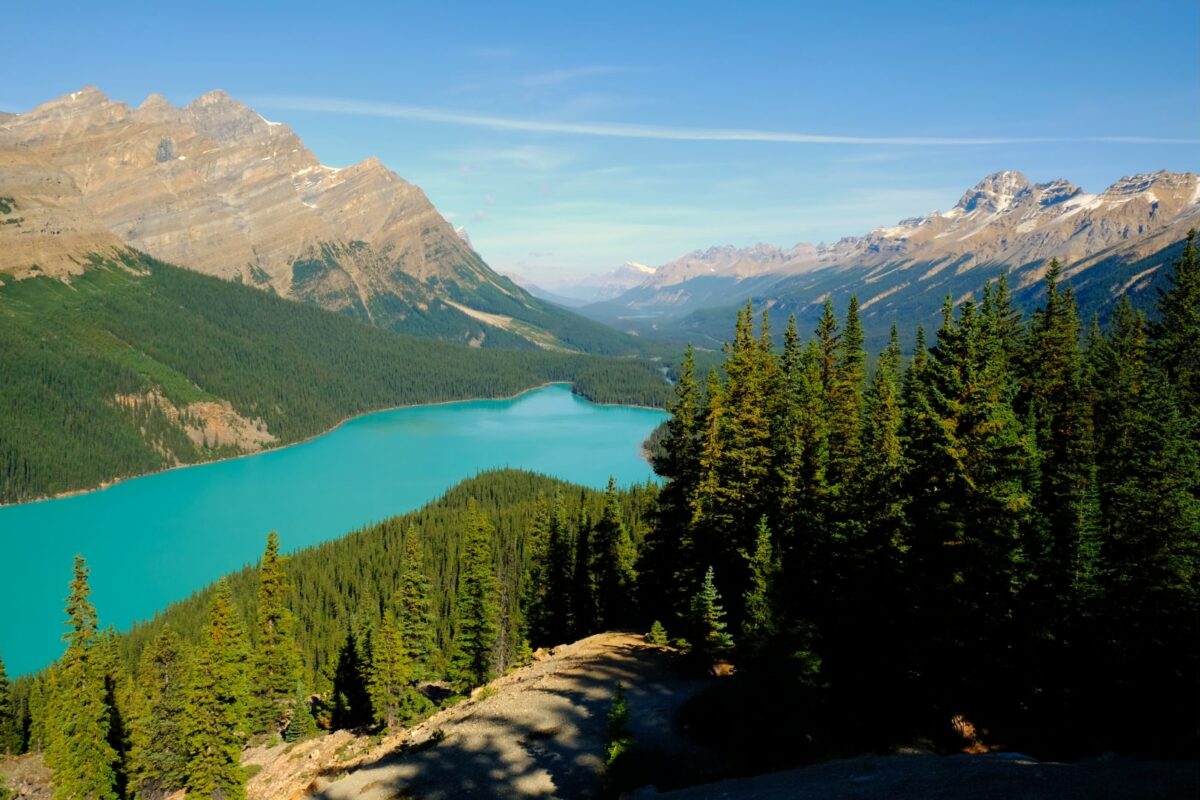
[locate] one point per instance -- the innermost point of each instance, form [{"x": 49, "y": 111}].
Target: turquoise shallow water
[{"x": 156, "y": 539}]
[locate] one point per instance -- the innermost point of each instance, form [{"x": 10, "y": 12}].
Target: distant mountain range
[
  {"x": 1110, "y": 243},
  {"x": 600, "y": 286},
  {"x": 216, "y": 188}
]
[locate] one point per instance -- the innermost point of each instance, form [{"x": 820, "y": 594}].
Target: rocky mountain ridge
[
  {"x": 1005, "y": 223},
  {"x": 215, "y": 187}
]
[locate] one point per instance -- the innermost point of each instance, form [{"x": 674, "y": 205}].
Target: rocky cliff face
[{"x": 216, "y": 188}]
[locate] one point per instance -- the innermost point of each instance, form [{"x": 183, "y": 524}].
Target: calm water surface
[{"x": 156, "y": 539}]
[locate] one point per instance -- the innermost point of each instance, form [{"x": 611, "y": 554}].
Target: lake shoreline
[{"x": 125, "y": 478}]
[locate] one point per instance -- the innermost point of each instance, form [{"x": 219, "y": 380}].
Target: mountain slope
[
  {"x": 216, "y": 188},
  {"x": 1109, "y": 243},
  {"x": 135, "y": 366}
]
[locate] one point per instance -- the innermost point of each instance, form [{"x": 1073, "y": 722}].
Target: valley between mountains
[{"x": 920, "y": 515}]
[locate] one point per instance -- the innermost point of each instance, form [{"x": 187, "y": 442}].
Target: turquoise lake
[{"x": 158, "y": 538}]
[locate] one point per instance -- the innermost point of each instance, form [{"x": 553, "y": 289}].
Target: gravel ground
[{"x": 538, "y": 732}]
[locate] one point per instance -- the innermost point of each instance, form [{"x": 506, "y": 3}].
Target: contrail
[{"x": 330, "y": 105}]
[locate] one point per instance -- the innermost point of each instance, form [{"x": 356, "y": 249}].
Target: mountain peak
[
  {"x": 87, "y": 95},
  {"x": 996, "y": 192},
  {"x": 155, "y": 102},
  {"x": 215, "y": 97}
]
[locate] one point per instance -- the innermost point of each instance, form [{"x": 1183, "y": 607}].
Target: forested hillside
[
  {"x": 136, "y": 366},
  {"x": 447, "y": 591},
  {"x": 995, "y": 544},
  {"x": 1003, "y": 533}
]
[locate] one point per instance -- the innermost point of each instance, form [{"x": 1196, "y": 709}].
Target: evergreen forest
[
  {"x": 102, "y": 375},
  {"x": 999, "y": 533}
]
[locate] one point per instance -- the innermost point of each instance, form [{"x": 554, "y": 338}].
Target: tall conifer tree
[
  {"x": 79, "y": 753},
  {"x": 612, "y": 562},
  {"x": 474, "y": 655},
  {"x": 217, "y": 697},
  {"x": 158, "y": 756},
  {"x": 276, "y": 657},
  {"x": 10, "y": 740},
  {"x": 414, "y": 616},
  {"x": 1176, "y": 332}
]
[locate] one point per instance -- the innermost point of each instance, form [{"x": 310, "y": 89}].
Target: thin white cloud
[{"x": 330, "y": 105}]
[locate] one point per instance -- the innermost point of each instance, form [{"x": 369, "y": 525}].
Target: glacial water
[{"x": 156, "y": 539}]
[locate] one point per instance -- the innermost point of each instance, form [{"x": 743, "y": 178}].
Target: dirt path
[{"x": 539, "y": 732}]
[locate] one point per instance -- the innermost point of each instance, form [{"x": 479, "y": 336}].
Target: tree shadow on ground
[{"x": 542, "y": 740}]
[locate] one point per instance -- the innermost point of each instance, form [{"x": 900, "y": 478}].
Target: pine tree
[
  {"x": 559, "y": 616},
  {"x": 39, "y": 703},
  {"x": 414, "y": 618},
  {"x": 10, "y": 739},
  {"x": 79, "y": 753},
  {"x": 1176, "y": 334},
  {"x": 276, "y": 657},
  {"x": 878, "y": 500},
  {"x": 758, "y": 624},
  {"x": 744, "y": 480},
  {"x": 1054, "y": 396},
  {"x": 216, "y": 700},
  {"x": 710, "y": 639},
  {"x": 473, "y": 661},
  {"x": 391, "y": 672},
  {"x": 301, "y": 724},
  {"x": 666, "y": 556},
  {"x": 534, "y": 583},
  {"x": 351, "y": 696},
  {"x": 583, "y": 586},
  {"x": 158, "y": 755},
  {"x": 612, "y": 562},
  {"x": 118, "y": 699},
  {"x": 1149, "y": 547},
  {"x": 845, "y": 400},
  {"x": 967, "y": 483}
]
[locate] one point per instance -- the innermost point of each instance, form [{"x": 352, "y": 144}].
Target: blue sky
[{"x": 569, "y": 138}]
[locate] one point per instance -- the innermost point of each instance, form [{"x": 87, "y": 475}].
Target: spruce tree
[
  {"x": 758, "y": 616},
  {"x": 216, "y": 700},
  {"x": 79, "y": 753},
  {"x": 1053, "y": 394},
  {"x": 1175, "y": 334},
  {"x": 845, "y": 399},
  {"x": 612, "y": 562},
  {"x": 534, "y": 583},
  {"x": 351, "y": 696},
  {"x": 665, "y": 558},
  {"x": 301, "y": 724},
  {"x": 118, "y": 699},
  {"x": 391, "y": 673},
  {"x": 276, "y": 657},
  {"x": 710, "y": 639},
  {"x": 583, "y": 585},
  {"x": 742, "y": 473},
  {"x": 158, "y": 755},
  {"x": 414, "y": 617},
  {"x": 10, "y": 739},
  {"x": 559, "y": 616},
  {"x": 473, "y": 661}
]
